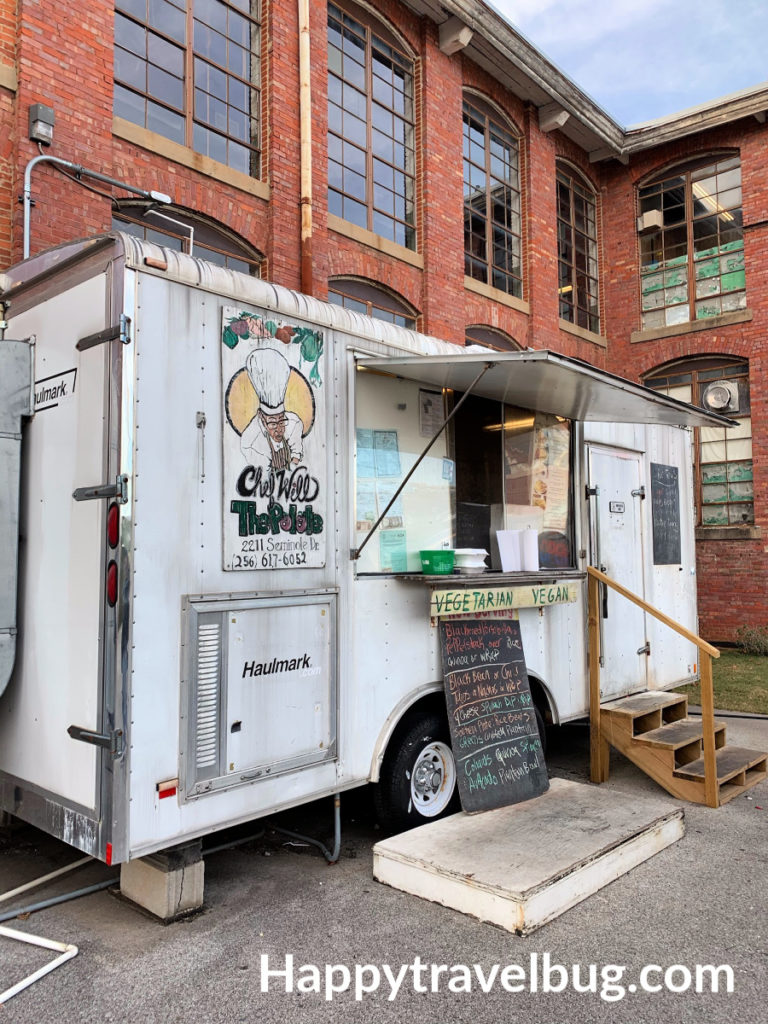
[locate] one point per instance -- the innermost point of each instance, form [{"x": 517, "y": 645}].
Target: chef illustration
[{"x": 273, "y": 438}]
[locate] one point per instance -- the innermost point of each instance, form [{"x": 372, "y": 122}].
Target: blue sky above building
[{"x": 644, "y": 59}]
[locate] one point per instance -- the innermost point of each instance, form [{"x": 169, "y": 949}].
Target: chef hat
[{"x": 269, "y": 372}]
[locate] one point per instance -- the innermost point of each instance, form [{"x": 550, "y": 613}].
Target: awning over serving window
[{"x": 546, "y": 382}]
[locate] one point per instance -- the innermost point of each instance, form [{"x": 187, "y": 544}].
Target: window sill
[
  {"x": 739, "y": 316},
  {"x": 188, "y": 158},
  {"x": 8, "y": 76},
  {"x": 729, "y": 532},
  {"x": 583, "y": 333},
  {"x": 370, "y": 238},
  {"x": 496, "y": 294}
]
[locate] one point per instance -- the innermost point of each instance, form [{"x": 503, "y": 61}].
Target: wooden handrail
[
  {"x": 599, "y": 751},
  {"x": 701, "y": 644}
]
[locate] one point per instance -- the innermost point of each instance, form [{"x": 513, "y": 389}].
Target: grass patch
[{"x": 740, "y": 681}]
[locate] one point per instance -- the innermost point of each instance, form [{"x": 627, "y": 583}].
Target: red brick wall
[
  {"x": 7, "y": 131},
  {"x": 64, "y": 55},
  {"x": 65, "y": 61},
  {"x": 732, "y": 573}
]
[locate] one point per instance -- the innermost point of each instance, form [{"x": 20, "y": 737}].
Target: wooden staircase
[
  {"x": 654, "y": 731},
  {"x": 687, "y": 756}
]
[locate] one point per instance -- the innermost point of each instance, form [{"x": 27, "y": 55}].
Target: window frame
[
  {"x": 376, "y": 299},
  {"x": 193, "y": 58},
  {"x": 669, "y": 277},
  {"x": 134, "y": 212},
  {"x": 696, "y": 373},
  {"x": 375, "y": 35},
  {"x": 491, "y": 338},
  {"x": 507, "y": 277},
  {"x": 573, "y": 279}
]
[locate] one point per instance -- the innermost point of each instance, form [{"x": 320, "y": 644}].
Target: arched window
[
  {"x": 186, "y": 232},
  {"x": 492, "y": 217},
  {"x": 367, "y": 298},
  {"x": 491, "y": 337},
  {"x": 371, "y": 145},
  {"x": 577, "y": 287},
  {"x": 691, "y": 243},
  {"x": 722, "y": 455}
]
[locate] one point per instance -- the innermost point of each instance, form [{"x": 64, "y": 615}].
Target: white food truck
[{"x": 220, "y": 610}]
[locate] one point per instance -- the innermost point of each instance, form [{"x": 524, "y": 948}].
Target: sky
[{"x": 643, "y": 59}]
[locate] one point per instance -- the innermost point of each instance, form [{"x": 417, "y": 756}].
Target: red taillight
[
  {"x": 113, "y": 525},
  {"x": 112, "y": 584},
  {"x": 109, "y": 853}
]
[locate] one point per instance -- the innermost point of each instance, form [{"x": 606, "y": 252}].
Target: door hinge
[
  {"x": 117, "y": 490},
  {"x": 111, "y": 741},
  {"x": 645, "y": 649},
  {"x": 591, "y": 492},
  {"x": 121, "y": 330},
  {"x": 639, "y": 492}
]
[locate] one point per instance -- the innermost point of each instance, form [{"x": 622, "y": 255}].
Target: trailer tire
[{"x": 417, "y": 782}]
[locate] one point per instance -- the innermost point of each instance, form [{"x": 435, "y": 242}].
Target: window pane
[
  {"x": 165, "y": 122},
  {"x": 366, "y": 86},
  {"x": 577, "y": 252},
  {"x": 702, "y": 221},
  {"x": 168, "y": 19},
  {"x": 491, "y": 202},
  {"x": 222, "y": 100}
]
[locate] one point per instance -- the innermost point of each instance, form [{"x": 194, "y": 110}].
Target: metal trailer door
[
  {"x": 47, "y": 777},
  {"x": 616, "y": 541}
]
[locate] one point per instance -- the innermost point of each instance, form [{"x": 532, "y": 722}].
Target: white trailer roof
[{"x": 547, "y": 382}]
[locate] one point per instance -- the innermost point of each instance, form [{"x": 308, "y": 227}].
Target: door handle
[{"x": 604, "y": 568}]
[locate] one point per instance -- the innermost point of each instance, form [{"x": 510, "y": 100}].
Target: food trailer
[{"x": 220, "y": 609}]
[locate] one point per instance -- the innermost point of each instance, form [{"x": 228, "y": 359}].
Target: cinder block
[{"x": 168, "y": 884}]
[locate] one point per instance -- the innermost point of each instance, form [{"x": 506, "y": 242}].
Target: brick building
[{"x": 633, "y": 250}]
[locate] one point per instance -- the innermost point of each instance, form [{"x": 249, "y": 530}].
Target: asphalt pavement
[{"x": 701, "y": 901}]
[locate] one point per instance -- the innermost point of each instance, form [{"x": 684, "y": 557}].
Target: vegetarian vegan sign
[{"x": 275, "y": 491}]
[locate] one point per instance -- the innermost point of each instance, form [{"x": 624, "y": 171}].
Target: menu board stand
[{"x": 494, "y": 732}]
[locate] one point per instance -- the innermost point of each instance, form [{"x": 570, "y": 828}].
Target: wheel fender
[
  {"x": 393, "y": 720},
  {"x": 548, "y": 696}
]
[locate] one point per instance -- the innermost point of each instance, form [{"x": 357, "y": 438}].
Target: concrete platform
[{"x": 521, "y": 866}]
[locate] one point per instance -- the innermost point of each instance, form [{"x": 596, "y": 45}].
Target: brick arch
[
  {"x": 374, "y": 288},
  {"x": 566, "y": 164},
  {"x": 471, "y": 92},
  {"x": 671, "y": 165},
  {"x": 676, "y": 350},
  {"x": 378, "y": 15}
]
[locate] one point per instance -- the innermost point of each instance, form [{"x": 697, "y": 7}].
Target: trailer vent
[{"x": 208, "y": 690}]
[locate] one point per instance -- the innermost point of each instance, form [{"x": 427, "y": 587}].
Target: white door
[{"x": 616, "y": 540}]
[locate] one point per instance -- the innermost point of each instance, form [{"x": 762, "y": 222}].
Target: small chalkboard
[
  {"x": 665, "y": 512},
  {"x": 494, "y": 734}
]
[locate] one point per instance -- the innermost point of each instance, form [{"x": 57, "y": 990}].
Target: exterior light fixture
[{"x": 41, "y": 119}]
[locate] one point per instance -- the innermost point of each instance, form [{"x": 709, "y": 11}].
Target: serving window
[{"x": 496, "y": 471}]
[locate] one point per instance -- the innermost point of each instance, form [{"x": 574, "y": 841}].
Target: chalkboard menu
[
  {"x": 665, "y": 512},
  {"x": 495, "y": 738}
]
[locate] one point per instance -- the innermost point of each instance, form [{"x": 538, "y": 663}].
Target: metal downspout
[{"x": 305, "y": 136}]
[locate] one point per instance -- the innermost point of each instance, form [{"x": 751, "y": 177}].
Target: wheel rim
[{"x": 433, "y": 779}]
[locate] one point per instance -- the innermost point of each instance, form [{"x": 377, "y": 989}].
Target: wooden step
[
  {"x": 644, "y": 703},
  {"x": 643, "y": 712},
  {"x": 731, "y": 762},
  {"x": 679, "y": 734}
]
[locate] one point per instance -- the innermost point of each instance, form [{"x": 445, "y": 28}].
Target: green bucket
[{"x": 437, "y": 563}]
